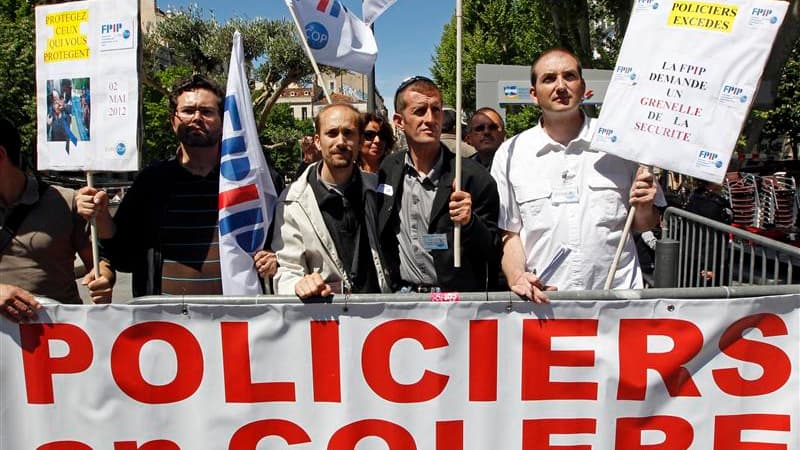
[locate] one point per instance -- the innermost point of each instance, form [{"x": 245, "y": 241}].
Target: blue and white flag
[
  {"x": 374, "y": 8},
  {"x": 336, "y": 36},
  {"x": 246, "y": 193}
]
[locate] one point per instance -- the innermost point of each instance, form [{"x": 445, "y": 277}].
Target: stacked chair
[{"x": 742, "y": 192}]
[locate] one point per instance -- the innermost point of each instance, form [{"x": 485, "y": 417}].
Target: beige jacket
[{"x": 304, "y": 245}]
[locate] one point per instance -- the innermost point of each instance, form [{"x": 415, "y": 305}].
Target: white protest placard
[
  {"x": 715, "y": 374},
  {"x": 87, "y": 85},
  {"x": 684, "y": 81}
]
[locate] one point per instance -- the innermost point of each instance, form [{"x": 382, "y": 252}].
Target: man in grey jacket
[{"x": 325, "y": 233}]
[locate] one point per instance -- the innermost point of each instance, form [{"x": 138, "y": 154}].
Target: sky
[{"x": 407, "y": 33}]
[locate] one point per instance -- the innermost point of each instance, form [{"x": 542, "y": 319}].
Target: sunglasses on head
[
  {"x": 481, "y": 128},
  {"x": 408, "y": 82}
]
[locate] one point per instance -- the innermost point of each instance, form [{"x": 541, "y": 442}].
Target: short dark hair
[
  {"x": 385, "y": 130},
  {"x": 423, "y": 85},
  {"x": 551, "y": 51},
  {"x": 10, "y": 140},
  {"x": 449, "y": 120},
  {"x": 359, "y": 121},
  {"x": 193, "y": 83}
]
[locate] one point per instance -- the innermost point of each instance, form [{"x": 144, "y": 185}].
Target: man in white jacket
[{"x": 325, "y": 233}]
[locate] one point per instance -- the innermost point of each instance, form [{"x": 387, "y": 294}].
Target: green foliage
[
  {"x": 784, "y": 118},
  {"x": 281, "y": 137},
  {"x": 520, "y": 118},
  {"x": 516, "y": 31},
  {"x": 17, "y": 79},
  {"x": 493, "y": 32},
  {"x": 189, "y": 41}
]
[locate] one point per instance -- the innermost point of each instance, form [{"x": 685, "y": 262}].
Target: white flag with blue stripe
[
  {"x": 336, "y": 36},
  {"x": 246, "y": 193}
]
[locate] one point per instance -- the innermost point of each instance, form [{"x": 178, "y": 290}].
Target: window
[{"x": 303, "y": 113}]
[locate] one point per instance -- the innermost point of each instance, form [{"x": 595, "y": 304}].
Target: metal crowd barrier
[
  {"x": 699, "y": 252},
  {"x": 497, "y": 297}
]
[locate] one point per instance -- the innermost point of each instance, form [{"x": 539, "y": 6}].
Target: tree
[
  {"x": 516, "y": 31},
  {"x": 18, "y": 77},
  {"x": 784, "y": 118},
  {"x": 189, "y": 41}
]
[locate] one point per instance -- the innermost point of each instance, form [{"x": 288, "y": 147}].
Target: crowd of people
[{"x": 537, "y": 212}]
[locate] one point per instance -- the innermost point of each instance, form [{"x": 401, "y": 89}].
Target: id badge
[
  {"x": 434, "y": 241},
  {"x": 566, "y": 192}
]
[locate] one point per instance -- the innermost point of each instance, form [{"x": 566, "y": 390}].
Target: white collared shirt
[{"x": 590, "y": 227}]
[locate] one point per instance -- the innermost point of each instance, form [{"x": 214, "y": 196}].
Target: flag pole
[
  {"x": 93, "y": 231},
  {"x": 308, "y": 52},
  {"x": 625, "y": 232},
  {"x": 371, "y": 84},
  {"x": 457, "y": 229}
]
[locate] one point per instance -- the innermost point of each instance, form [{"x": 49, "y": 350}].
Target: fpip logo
[
  {"x": 510, "y": 91},
  {"x": 706, "y": 158},
  {"x": 732, "y": 94},
  {"x": 732, "y": 90},
  {"x": 624, "y": 69},
  {"x": 316, "y": 35},
  {"x": 646, "y": 4},
  {"x": 246, "y": 218},
  {"x": 110, "y": 28},
  {"x": 762, "y": 12},
  {"x": 606, "y": 134}
]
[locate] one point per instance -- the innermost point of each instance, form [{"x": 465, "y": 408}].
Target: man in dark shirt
[
  {"x": 165, "y": 230},
  {"x": 419, "y": 206},
  {"x": 325, "y": 234}
]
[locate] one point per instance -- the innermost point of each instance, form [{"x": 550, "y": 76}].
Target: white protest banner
[
  {"x": 684, "y": 81},
  {"x": 87, "y": 88},
  {"x": 649, "y": 374}
]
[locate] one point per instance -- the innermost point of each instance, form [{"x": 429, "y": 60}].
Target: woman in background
[{"x": 378, "y": 142}]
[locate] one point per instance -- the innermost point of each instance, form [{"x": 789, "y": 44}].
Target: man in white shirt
[{"x": 562, "y": 204}]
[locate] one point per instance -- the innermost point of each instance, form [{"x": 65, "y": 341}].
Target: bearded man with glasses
[{"x": 165, "y": 230}]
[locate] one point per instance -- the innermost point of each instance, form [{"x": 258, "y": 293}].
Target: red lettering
[
  {"x": 63, "y": 445},
  {"x": 377, "y": 370},
  {"x": 248, "y": 436},
  {"x": 395, "y": 436},
  {"x": 40, "y": 367},
  {"x": 160, "y": 444},
  {"x": 728, "y": 431},
  {"x": 127, "y": 372},
  {"x": 776, "y": 365},
  {"x": 239, "y": 386},
  {"x": 635, "y": 360},
  {"x": 483, "y": 360},
  {"x": 327, "y": 378},
  {"x": 450, "y": 434},
  {"x": 536, "y": 432},
  {"x": 679, "y": 433},
  {"x": 538, "y": 357}
]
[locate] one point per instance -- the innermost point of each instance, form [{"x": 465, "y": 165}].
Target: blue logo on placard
[
  {"x": 773, "y": 20},
  {"x": 743, "y": 99},
  {"x": 718, "y": 164},
  {"x": 126, "y": 34},
  {"x": 120, "y": 149},
  {"x": 655, "y": 5},
  {"x": 316, "y": 35},
  {"x": 613, "y": 139}
]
